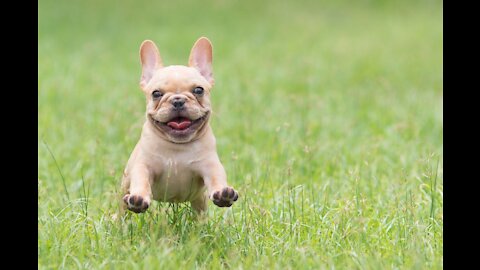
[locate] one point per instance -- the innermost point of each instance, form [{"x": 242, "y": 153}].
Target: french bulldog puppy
[{"x": 175, "y": 159}]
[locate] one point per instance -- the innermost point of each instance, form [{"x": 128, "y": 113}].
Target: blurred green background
[{"x": 331, "y": 109}]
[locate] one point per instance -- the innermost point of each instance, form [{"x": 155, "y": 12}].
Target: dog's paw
[
  {"x": 136, "y": 203},
  {"x": 224, "y": 197}
]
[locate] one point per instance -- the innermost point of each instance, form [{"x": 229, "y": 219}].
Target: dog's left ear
[{"x": 201, "y": 58}]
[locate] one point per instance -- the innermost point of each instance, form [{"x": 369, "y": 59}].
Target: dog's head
[{"x": 178, "y": 97}]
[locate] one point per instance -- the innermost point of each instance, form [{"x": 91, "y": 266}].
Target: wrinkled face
[
  {"x": 178, "y": 102},
  {"x": 178, "y": 97}
]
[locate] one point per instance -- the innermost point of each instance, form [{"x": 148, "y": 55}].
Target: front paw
[
  {"x": 224, "y": 197},
  {"x": 136, "y": 203}
]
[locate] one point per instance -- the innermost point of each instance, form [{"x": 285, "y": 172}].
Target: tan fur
[{"x": 165, "y": 167}]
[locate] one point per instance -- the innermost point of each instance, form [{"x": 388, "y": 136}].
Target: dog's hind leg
[{"x": 200, "y": 204}]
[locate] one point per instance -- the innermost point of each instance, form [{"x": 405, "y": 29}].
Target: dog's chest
[{"x": 175, "y": 181}]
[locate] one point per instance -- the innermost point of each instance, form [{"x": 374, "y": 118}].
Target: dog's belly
[{"x": 177, "y": 183}]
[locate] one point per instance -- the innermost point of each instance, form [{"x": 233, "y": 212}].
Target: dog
[{"x": 175, "y": 159}]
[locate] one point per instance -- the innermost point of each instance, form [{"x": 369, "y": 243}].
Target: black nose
[{"x": 178, "y": 102}]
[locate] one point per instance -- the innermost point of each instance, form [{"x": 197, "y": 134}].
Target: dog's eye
[
  {"x": 157, "y": 94},
  {"x": 198, "y": 90}
]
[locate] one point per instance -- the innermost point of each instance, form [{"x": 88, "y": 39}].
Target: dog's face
[{"x": 178, "y": 97}]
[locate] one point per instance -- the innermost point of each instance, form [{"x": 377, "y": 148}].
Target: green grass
[{"x": 328, "y": 117}]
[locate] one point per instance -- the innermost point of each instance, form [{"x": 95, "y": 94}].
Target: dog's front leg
[
  {"x": 139, "y": 193},
  {"x": 215, "y": 179}
]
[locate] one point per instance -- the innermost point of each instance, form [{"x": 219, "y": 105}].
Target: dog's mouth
[
  {"x": 181, "y": 126},
  {"x": 179, "y": 123}
]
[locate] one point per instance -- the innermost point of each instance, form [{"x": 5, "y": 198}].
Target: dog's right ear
[{"x": 151, "y": 61}]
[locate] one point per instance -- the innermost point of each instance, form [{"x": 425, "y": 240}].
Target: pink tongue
[{"x": 182, "y": 125}]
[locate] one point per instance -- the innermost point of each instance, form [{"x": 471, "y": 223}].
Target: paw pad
[
  {"x": 225, "y": 197},
  {"x": 136, "y": 203}
]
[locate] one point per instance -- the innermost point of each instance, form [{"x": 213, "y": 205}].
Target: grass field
[{"x": 328, "y": 117}]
